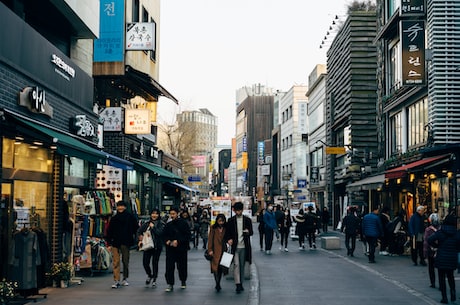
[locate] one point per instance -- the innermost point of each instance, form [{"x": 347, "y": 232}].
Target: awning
[
  {"x": 147, "y": 84},
  {"x": 67, "y": 145},
  {"x": 118, "y": 162},
  {"x": 402, "y": 171},
  {"x": 184, "y": 187},
  {"x": 369, "y": 183},
  {"x": 162, "y": 174}
]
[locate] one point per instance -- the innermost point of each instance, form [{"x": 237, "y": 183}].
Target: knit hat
[{"x": 450, "y": 220}]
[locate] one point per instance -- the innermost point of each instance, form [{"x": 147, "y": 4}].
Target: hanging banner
[{"x": 413, "y": 52}]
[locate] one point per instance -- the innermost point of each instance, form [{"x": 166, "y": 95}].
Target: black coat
[
  {"x": 447, "y": 241},
  {"x": 231, "y": 232},
  {"x": 351, "y": 224},
  {"x": 156, "y": 232},
  {"x": 177, "y": 229},
  {"x": 122, "y": 229}
]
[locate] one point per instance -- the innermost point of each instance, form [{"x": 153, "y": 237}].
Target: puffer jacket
[
  {"x": 447, "y": 242},
  {"x": 372, "y": 225}
]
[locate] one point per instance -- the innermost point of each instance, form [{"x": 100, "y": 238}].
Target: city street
[{"x": 289, "y": 278}]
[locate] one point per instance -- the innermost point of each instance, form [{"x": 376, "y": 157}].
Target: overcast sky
[{"x": 210, "y": 48}]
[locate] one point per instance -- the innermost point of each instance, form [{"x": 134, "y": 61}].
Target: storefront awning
[
  {"x": 184, "y": 187},
  {"x": 162, "y": 174},
  {"x": 147, "y": 83},
  {"x": 402, "y": 171},
  {"x": 118, "y": 162},
  {"x": 67, "y": 145},
  {"x": 369, "y": 183}
]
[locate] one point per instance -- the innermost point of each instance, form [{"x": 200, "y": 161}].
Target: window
[
  {"x": 418, "y": 119},
  {"x": 316, "y": 157},
  {"x": 392, "y": 7},
  {"x": 136, "y": 11},
  {"x": 394, "y": 67},
  {"x": 396, "y": 133}
]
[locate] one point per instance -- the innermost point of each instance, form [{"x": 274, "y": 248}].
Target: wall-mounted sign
[
  {"x": 82, "y": 126},
  {"x": 412, "y": 7},
  {"x": 140, "y": 36},
  {"x": 301, "y": 183},
  {"x": 62, "y": 68},
  {"x": 112, "y": 117},
  {"x": 34, "y": 99},
  {"x": 413, "y": 52},
  {"x": 261, "y": 151},
  {"x": 109, "y": 46},
  {"x": 137, "y": 121}
]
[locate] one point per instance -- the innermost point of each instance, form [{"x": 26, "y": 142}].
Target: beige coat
[{"x": 216, "y": 245}]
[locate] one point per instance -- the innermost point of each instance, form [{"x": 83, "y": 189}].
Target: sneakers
[
  {"x": 281, "y": 248},
  {"x": 148, "y": 281},
  {"x": 286, "y": 250},
  {"x": 169, "y": 288},
  {"x": 183, "y": 285},
  {"x": 116, "y": 285},
  {"x": 384, "y": 253},
  {"x": 124, "y": 283},
  {"x": 314, "y": 246},
  {"x": 154, "y": 284},
  {"x": 268, "y": 252}
]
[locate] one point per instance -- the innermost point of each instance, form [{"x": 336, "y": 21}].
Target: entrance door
[{"x": 6, "y": 227}]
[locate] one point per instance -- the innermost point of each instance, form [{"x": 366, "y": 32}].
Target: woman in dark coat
[
  {"x": 216, "y": 246},
  {"x": 300, "y": 228},
  {"x": 447, "y": 242},
  {"x": 285, "y": 227}
]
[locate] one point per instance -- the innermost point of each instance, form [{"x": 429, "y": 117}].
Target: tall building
[
  {"x": 254, "y": 124},
  {"x": 200, "y": 127},
  {"x": 316, "y": 173},
  {"x": 418, "y": 93},
  {"x": 351, "y": 108},
  {"x": 293, "y": 151}
]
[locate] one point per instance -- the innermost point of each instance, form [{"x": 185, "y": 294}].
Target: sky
[{"x": 208, "y": 49}]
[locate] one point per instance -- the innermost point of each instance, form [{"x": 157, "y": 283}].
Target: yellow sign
[{"x": 335, "y": 150}]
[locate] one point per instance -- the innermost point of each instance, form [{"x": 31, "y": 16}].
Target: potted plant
[
  {"x": 7, "y": 291},
  {"x": 61, "y": 273}
]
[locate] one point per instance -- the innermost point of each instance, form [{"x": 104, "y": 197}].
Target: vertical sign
[
  {"x": 412, "y": 7},
  {"x": 303, "y": 126},
  {"x": 413, "y": 52},
  {"x": 109, "y": 47},
  {"x": 261, "y": 152}
]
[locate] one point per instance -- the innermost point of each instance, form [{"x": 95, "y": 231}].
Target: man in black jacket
[
  {"x": 177, "y": 239},
  {"x": 238, "y": 236},
  {"x": 121, "y": 235}
]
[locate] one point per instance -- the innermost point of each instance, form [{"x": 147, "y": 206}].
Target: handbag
[
  {"x": 90, "y": 205},
  {"x": 207, "y": 256},
  {"x": 226, "y": 259},
  {"x": 147, "y": 241}
]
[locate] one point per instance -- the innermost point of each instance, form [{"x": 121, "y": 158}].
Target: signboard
[
  {"x": 194, "y": 178},
  {"x": 330, "y": 150},
  {"x": 260, "y": 151},
  {"x": 303, "y": 114},
  {"x": 412, "y": 7},
  {"x": 112, "y": 118},
  {"x": 137, "y": 121},
  {"x": 413, "y": 52},
  {"x": 198, "y": 161},
  {"x": 140, "y": 36},
  {"x": 301, "y": 183},
  {"x": 34, "y": 99},
  {"x": 109, "y": 46}
]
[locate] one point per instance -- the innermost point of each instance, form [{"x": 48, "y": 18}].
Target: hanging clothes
[{"x": 25, "y": 259}]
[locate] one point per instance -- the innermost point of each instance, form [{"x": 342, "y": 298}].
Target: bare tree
[{"x": 362, "y": 6}]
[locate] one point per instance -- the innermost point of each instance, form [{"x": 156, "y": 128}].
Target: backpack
[{"x": 310, "y": 221}]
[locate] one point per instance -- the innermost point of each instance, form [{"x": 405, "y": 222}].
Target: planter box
[{"x": 330, "y": 243}]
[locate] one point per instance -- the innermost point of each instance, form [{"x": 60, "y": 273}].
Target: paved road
[{"x": 296, "y": 277}]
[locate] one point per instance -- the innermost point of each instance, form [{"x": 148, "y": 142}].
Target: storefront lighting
[
  {"x": 450, "y": 175},
  {"x": 412, "y": 177},
  {"x": 19, "y": 138},
  {"x": 53, "y": 147},
  {"x": 38, "y": 143},
  {"x": 398, "y": 181},
  {"x": 33, "y": 146},
  {"x": 432, "y": 176},
  {"x": 17, "y": 143}
]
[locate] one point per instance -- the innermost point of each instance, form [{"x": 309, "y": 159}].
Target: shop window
[
  {"x": 74, "y": 167},
  {"x": 30, "y": 204},
  {"x": 418, "y": 119},
  {"x": 24, "y": 156}
]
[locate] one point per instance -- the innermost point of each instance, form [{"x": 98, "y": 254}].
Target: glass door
[{"x": 6, "y": 227}]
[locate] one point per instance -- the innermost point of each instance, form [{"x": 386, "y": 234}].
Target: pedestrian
[
  {"x": 152, "y": 256},
  {"x": 397, "y": 234},
  {"x": 285, "y": 227},
  {"x": 121, "y": 234},
  {"x": 216, "y": 246},
  {"x": 447, "y": 242},
  {"x": 278, "y": 216},
  {"x": 311, "y": 225},
  {"x": 428, "y": 251},
  {"x": 185, "y": 215},
  {"x": 384, "y": 240},
  {"x": 196, "y": 229},
  {"x": 177, "y": 239},
  {"x": 270, "y": 227},
  {"x": 238, "y": 236},
  {"x": 350, "y": 225},
  {"x": 204, "y": 222},
  {"x": 416, "y": 232},
  {"x": 372, "y": 231},
  {"x": 300, "y": 229},
  {"x": 261, "y": 228},
  {"x": 325, "y": 216}
]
